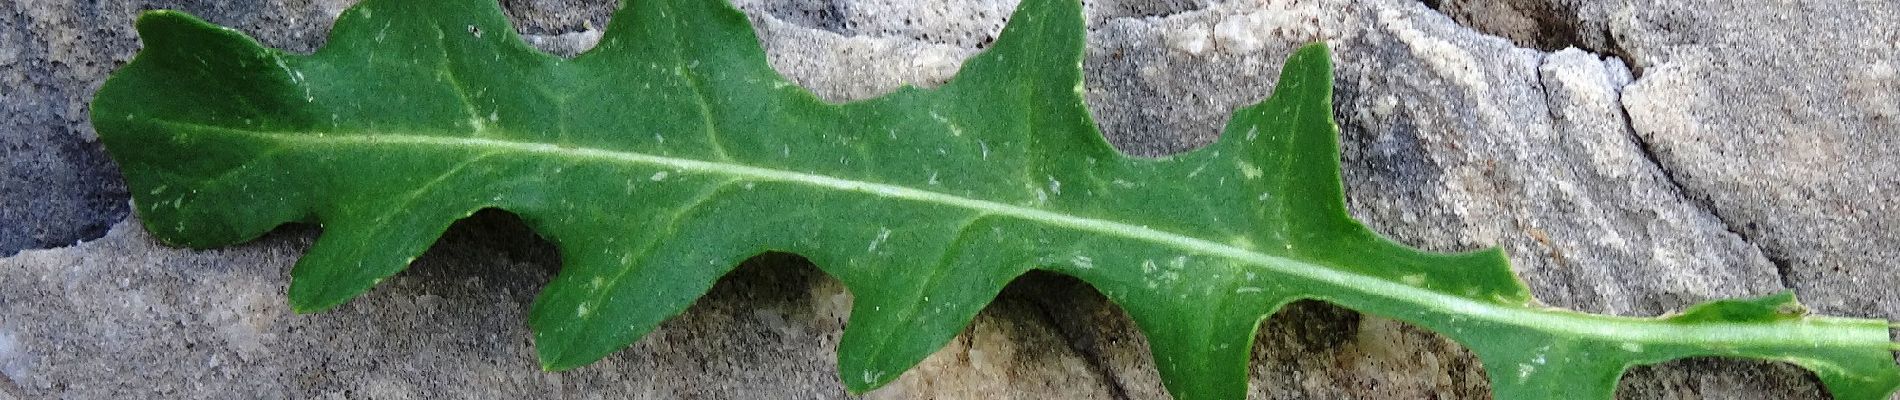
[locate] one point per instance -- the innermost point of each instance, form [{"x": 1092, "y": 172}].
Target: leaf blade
[{"x": 661, "y": 158}]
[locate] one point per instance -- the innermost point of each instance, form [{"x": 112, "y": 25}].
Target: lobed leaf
[{"x": 660, "y": 159}]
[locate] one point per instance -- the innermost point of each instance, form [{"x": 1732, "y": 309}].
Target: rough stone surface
[
  {"x": 1810, "y": 170},
  {"x": 1790, "y": 144},
  {"x": 1698, "y": 150},
  {"x": 78, "y": 323}
]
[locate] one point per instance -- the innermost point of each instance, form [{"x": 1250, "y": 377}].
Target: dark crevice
[
  {"x": 1718, "y": 377},
  {"x": 11, "y": 388},
  {"x": 845, "y": 19},
  {"x": 1783, "y": 266},
  {"x": 829, "y": 15},
  {"x": 541, "y": 17},
  {"x": 1553, "y": 251},
  {"x": 1545, "y": 25},
  {"x": 1783, "y": 269},
  {"x": 1144, "y": 9},
  {"x": 1081, "y": 343},
  {"x": 1647, "y": 381},
  {"x": 1541, "y": 24},
  {"x": 1614, "y": 48},
  {"x": 76, "y": 197},
  {"x": 58, "y": 187},
  {"x": 559, "y": 28},
  {"x": 502, "y": 233},
  {"x": 1550, "y": 103}
]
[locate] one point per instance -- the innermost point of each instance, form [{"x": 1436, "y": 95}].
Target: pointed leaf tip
[
  {"x": 312, "y": 298},
  {"x": 150, "y": 21},
  {"x": 165, "y": 28},
  {"x": 1308, "y": 72},
  {"x": 554, "y": 357}
]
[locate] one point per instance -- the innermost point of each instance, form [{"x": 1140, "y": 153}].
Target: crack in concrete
[
  {"x": 1537, "y": 235},
  {"x": 1702, "y": 202},
  {"x": 1784, "y": 270},
  {"x": 1623, "y": 54}
]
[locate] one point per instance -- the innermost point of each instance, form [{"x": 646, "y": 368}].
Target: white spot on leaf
[
  {"x": 882, "y": 235},
  {"x": 1413, "y": 279},
  {"x": 954, "y": 129},
  {"x": 1083, "y": 262},
  {"x": 1248, "y": 170}
]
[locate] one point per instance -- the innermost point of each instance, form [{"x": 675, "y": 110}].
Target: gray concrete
[{"x": 1694, "y": 150}]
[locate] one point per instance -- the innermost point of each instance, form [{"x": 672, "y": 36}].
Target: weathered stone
[
  {"x": 1740, "y": 158},
  {"x": 1782, "y": 119},
  {"x": 1793, "y": 142},
  {"x": 126, "y": 317}
]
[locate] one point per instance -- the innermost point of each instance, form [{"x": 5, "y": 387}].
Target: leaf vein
[
  {"x": 671, "y": 226},
  {"x": 1607, "y": 328},
  {"x": 698, "y": 89}
]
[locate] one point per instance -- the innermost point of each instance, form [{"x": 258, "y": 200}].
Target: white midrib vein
[{"x": 1607, "y": 328}]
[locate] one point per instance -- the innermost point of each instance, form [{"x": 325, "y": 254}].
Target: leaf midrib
[{"x": 1609, "y": 329}]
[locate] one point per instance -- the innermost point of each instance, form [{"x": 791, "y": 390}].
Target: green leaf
[{"x": 672, "y": 151}]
